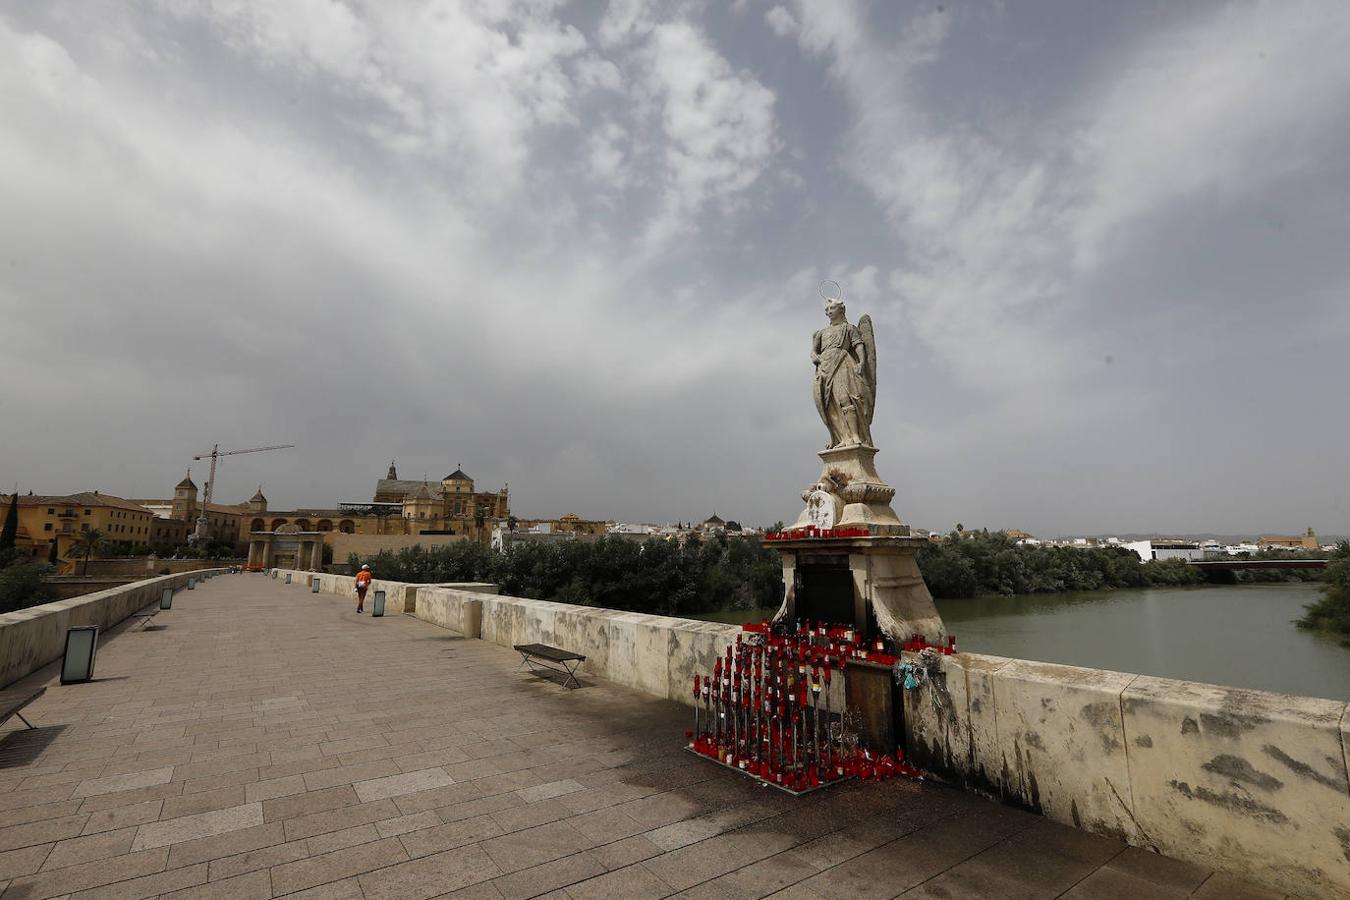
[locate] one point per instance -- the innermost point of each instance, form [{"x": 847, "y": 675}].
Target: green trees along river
[
  {"x": 1331, "y": 613},
  {"x": 721, "y": 572}
]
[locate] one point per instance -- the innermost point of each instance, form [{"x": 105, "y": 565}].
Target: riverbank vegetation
[
  {"x": 732, "y": 572},
  {"x": 970, "y": 564},
  {"x": 23, "y": 581},
  {"x": 1331, "y": 612},
  {"x": 661, "y": 577}
]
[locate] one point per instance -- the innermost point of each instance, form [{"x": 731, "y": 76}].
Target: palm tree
[{"x": 86, "y": 544}]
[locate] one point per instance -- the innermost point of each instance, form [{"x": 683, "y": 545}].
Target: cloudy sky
[{"x": 576, "y": 247}]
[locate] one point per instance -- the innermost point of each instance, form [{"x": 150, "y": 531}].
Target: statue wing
[{"x": 870, "y": 370}]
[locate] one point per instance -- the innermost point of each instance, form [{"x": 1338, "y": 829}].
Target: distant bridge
[{"x": 1234, "y": 565}]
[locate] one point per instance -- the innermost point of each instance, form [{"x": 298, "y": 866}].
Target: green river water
[{"x": 1239, "y": 635}]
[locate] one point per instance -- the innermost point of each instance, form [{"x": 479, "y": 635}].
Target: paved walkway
[{"x": 270, "y": 742}]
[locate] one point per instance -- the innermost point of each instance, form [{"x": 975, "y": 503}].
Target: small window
[
  {"x": 88, "y": 512},
  {"x": 51, "y": 510},
  {"x": 47, "y": 526}
]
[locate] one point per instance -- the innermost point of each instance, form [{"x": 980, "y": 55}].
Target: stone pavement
[{"x": 271, "y": 742}]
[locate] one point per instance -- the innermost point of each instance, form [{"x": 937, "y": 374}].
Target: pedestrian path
[{"x": 270, "y": 742}]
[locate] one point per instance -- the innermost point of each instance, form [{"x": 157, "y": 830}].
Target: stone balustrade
[
  {"x": 1251, "y": 781},
  {"x": 33, "y": 637}
]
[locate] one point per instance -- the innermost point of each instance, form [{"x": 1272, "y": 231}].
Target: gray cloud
[{"x": 575, "y": 247}]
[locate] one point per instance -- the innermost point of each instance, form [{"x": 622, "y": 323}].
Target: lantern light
[{"x": 77, "y": 665}]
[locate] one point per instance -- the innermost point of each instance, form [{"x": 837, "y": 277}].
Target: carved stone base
[
  {"x": 884, "y": 588},
  {"x": 862, "y": 498}
]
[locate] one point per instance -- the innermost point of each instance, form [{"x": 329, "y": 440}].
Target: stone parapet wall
[
  {"x": 34, "y": 637},
  {"x": 655, "y": 654},
  {"x": 399, "y": 597},
  {"x": 1250, "y": 781},
  {"x": 145, "y": 567}
]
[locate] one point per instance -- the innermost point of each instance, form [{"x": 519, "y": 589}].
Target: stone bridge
[{"x": 267, "y": 741}]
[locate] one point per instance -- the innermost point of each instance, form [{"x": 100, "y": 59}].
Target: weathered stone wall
[
  {"x": 33, "y": 637},
  {"x": 399, "y": 597},
  {"x": 145, "y": 567},
  {"x": 67, "y": 586},
  {"x": 655, "y": 654},
  {"x": 1253, "y": 782},
  {"x": 1250, "y": 781}
]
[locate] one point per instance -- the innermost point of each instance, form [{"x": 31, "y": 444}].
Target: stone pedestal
[
  {"x": 875, "y": 578},
  {"x": 861, "y": 499}
]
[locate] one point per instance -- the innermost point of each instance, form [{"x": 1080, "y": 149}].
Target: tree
[
  {"x": 23, "y": 584},
  {"x": 11, "y": 528},
  {"x": 1331, "y": 613},
  {"x": 85, "y": 545}
]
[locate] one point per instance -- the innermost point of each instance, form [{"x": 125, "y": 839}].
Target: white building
[
  {"x": 1164, "y": 549},
  {"x": 627, "y": 528}
]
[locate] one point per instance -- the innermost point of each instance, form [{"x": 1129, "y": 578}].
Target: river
[{"x": 1238, "y": 635}]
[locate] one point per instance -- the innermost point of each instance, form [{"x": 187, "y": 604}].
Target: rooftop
[
  {"x": 79, "y": 498},
  {"x": 270, "y": 741}
]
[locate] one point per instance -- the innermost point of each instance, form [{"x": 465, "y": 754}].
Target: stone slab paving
[{"x": 270, "y": 742}]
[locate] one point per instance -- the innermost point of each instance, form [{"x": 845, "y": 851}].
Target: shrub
[{"x": 1331, "y": 612}]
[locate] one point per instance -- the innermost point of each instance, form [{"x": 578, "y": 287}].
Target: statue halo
[{"x": 830, "y": 291}]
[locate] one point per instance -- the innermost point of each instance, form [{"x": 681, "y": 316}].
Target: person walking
[{"x": 363, "y": 580}]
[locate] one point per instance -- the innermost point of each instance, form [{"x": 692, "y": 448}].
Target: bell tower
[{"x": 185, "y": 499}]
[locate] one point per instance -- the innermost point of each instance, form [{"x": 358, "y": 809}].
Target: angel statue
[{"x": 845, "y": 357}]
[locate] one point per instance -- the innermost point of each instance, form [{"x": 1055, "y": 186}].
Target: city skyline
[{"x": 579, "y": 250}]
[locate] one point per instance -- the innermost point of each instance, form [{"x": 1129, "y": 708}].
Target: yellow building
[
  {"x": 450, "y": 506},
  {"x": 54, "y": 520},
  {"x": 1307, "y": 541},
  {"x": 569, "y": 523},
  {"x": 224, "y": 522}
]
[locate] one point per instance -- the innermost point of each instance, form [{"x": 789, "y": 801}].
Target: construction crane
[{"x": 200, "y": 535}]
